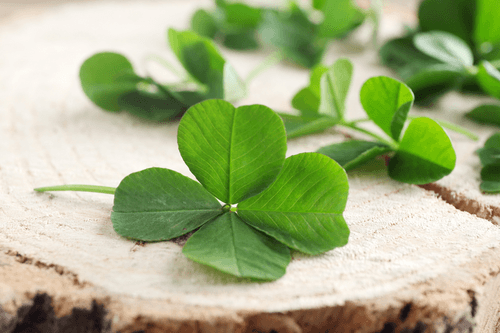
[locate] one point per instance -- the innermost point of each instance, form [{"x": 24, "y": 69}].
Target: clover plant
[
  {"x": 270, "y": 204},
  {"x": 490, "y": 160},
  {"x": 488, "y": 114},
  {"x": 109, "y": 80},
  {"x": 291, "y": 30},
  {"x": 421, "y": 154},
  {"x": 490, "y": 153},
  {"x": 456, "y": 46}
]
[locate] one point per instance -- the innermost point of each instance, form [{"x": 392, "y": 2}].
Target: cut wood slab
[
  {"x": 461, "y": 187},
  {"x": 414, "y": 263}
]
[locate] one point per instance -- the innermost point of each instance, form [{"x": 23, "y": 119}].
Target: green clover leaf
[
  {"x": 490, "y": 153},
  {"x": 490, "y": 176},
  {"x": 108, "y": 79},
  {"x": 487, "y": 27},
  {"x": 445, "y": 47},
  {"x": 307, "y": 100},
  {"x": 334, "y": 87},
  {"x": 200, "y": 58},
  {"x": 485, "y": 114},
  {"x": 232, "y": 155},
  {"x": 322, "y": 103},
  {"x": 387, "y": 102},
  {"x": 105, "y": 77},
  {"x": 232, "y": 246},
  {"x": 425, "y": 154},
  {"x": 488, "y": 78},
  {"x": 159, "y": 204},
  {"x": 340, "y": 17},
  {"x": 303, "y": 207},
  {"x": 453, "y": 16},
  {"x": 293, "y": 34},
  {"x": 296, "y": 202},
  {"x": 490, "y": 160}
]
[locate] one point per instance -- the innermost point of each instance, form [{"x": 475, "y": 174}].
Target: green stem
[
  {"x": 78, "y": 188},
  {"x": 167, "y": 65},
  {"x": 185, "y": 85},
  {"x": 226, "y": 208},
  {"x": 184, "y": 76},
  {"x": 270, "y": 61},
  {"x": 375, "y": 14},
  {"x": 495, "y": 63},
  {"x": 352, "y": 126},
  {"x": 454, "y": 128},
  {"x": 471, "y": 70},
  {"x": 361, "y": 120}
]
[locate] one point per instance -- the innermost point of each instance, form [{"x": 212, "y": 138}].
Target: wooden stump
[{"x": 417, "y": 260}]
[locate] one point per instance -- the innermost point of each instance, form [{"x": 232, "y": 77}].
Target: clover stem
[
  {"x": 362, "y": 120},
  {"x": 495, "y": 63},
  {"x": 270, "y": 61},
  {"x": 471, "y": 70},
  {"x": 167, "y": 65},
  {"x": 184, "y": 85},
  {"x": 227, "y": 208},
  {"x": 375, "y": 13},
  {"x": 454, "y": 128},
  {"x": 352, "y": 126},
  {"x": 78, "y": 188}
]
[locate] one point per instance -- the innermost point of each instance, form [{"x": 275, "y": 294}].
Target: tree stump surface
[{"x": 419, "y": 259}]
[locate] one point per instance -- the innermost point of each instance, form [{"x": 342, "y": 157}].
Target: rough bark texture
[{"x": 420, "y": 259}]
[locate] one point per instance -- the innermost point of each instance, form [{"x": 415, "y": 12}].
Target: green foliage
[
  {"x": 109, "y": 80},
  {"x": 444, "y": 47},
  {"x": 231, "y": 245},
  {"x": 340, "y": 17},
  {"x": 295, "y": 202},
  {"x": 490, "y": 160},
  {"x": 488, "y": 78},
  {"x": 387, "y": 102},
  {"x": 234, "y": 24},
  {"x": 105, "y": 77},
  {"x": 489, "y": 114},
  {"x": 490, "y": 176},
  {"x": 233, "y": 156},
  {"x": 456, "y": 17},
  {"x": 204, "y": 24},
  {"x": 402, "y": 56},
  {"x": 297, "y": 126},
  {"x": 159, "y": 204},
  {"x": 301, "y": 40},
  {"x": 334, "y": 86},
  {"x": 424, "y": 154},
  {"x": 294, "y": 35},
  {"x": 433, "y": 81},
  {"x": 487, "y": 31},
  {"x": 294, "y": 214},
  {"x": 456, "y": 46},
  {"x": 307, "y": 100},
  {"x": 353, "y": 153},
  {"x": 201, "y": 59},
  {"x": 486, "y": 114}
]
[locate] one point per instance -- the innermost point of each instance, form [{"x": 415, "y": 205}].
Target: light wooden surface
[{"x": 413, "y": 260}]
